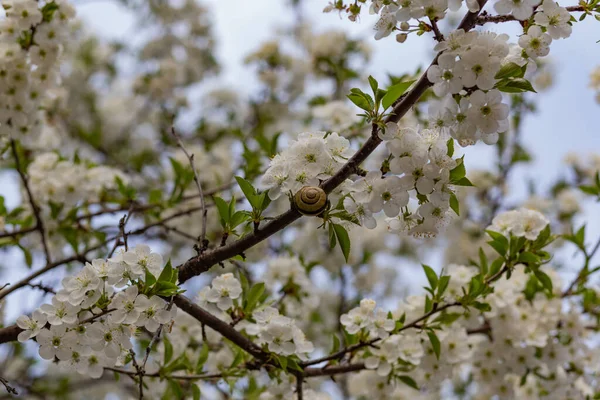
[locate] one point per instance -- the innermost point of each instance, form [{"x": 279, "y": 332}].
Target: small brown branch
[
  {"x": 15, "y": 234},
  {"x": 584, "y": 272},
  {"x": 155, "y": 338},
  {"x": 46, "y": 289},
  {"x": 333, "y": 370},
  {"x": 122, "y": 235},
  {"x": 436, "y": 30},
  {"x": 9, "y": 389},
  {"x": 39, "y": 223},
  {"x": 158, "y": 375},
  {"x": 485, "y": 18},
  {"x": 202, "y": 242},
  {"x": 206, "y": 318},
  {"x": 25, "y": 281}
]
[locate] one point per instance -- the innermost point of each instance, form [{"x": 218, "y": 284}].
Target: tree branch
[
  {"x": 202, "y": 242},
  {"x": 485, "y": 18},
  {"x": 39, "y": 224}
]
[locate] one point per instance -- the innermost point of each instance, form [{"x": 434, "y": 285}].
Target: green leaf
[
  {"x": 223, "y": 209},
  {"x": 48, "y": 11},
  {"x": 431, "y": 276},
  {"x": 149, "y": 278},
  {"x": 450, "y": 147},
  {"x": 283, "y": 362},
  {"x": 518, "y": 85},
  {"x": 332, "y": 240},
  {"x": 360, "y": 101},
  {"x": 336, "y": 344},
  {"x": 407, "y": 380},
  {"x": 202, "y": 357},
  {"x": 166, "y": 273},
  {"x": 176, "y": 389},
  {"x": 342, "y": 236},
  {"x": 443, "y": 285},
  {"x": 509, "y": 70},
  {"x": 499, "y": 242},
  {"x": 435, "y": 343},
  {"x": 529, "y": 258},
  {"x": 483, "y": 307},
  {"x": 483, "y": 264},
  {"x": 196, "y": 392},
  {"x": 496, "y": 266},
  {"x": 454, "y": 204},
  {"x": 588, "y": 189},
  {"x": 463, "y": 182},
  {"x": 394, "y": 92},
  {"x": 168, "y": 350},
  {"x": 238, "y": 218},
  {"x": 250, "y": 192},
  {"x": 544, "y": 279},
  {"x": 373, "y": 83},
  {"x": 458, "y": 172},
  {"x": 253, "y": 296},
  {"x": 27, "y": 255}
]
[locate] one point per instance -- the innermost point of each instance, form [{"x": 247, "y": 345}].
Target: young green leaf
[
  {"x": 343, "y": 239},
  {"x": 435, "y": 343},
  {"x": 454, "y": 205},
  {"x": 394, "y": 92},
  {"x": 431, "y": 276}
]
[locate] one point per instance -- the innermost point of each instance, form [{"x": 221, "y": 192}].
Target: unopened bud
[
  {"x": 401, "y": 37},
  {"x": 404, "y": 26}
]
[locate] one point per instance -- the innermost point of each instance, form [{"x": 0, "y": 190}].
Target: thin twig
[
  {"x": 140, "y": 373},
  {"x": 154, "y": 339},
  {"x": 9, "y": 389},
  {"x": 202, "y": 242},
  {"x": 175, "y": 377},
  {"x": 436, "y": 30},
  {"x": 39, "y": 224},
  {"x": 41, "y": 287},
  {"x": 485, "y": 18},
  {"x": 584, "y": 272},
  {"x": 122, "y": 235}
]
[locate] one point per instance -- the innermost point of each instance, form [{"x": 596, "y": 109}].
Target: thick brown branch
[{"x": 220, "y": 326}]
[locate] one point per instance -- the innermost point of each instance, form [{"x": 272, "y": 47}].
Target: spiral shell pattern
[{"x": 311, "y": 200}]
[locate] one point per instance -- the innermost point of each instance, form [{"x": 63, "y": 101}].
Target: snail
[{"x": 311, "y": 200}]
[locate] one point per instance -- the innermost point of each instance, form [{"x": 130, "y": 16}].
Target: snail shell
[{"x": 311, "y": 200}]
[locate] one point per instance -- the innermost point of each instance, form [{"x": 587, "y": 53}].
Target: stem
[{"x": 39, "y": 224}]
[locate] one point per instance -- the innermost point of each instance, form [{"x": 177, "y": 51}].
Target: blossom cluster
[
  {"x": 396, "y": 16},
  {"x": 65, "y": 182},
  {"x": 547, "y": 339},
  {"x": 89, "y": 323},
  {"x": 279, "y": 333},
  {"x": 313, "y": 156},
  {"x": 422, "y": 166},
  {"x": 222, "y": 292},
  {"x": 522, "y": 222},
  {"x": 32, "y": 39},
  {"x": 288, "y": 276}
]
